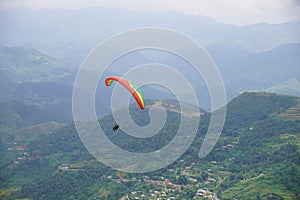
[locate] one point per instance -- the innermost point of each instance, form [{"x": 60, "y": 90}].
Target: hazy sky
[{"x": 238, "y": 12}]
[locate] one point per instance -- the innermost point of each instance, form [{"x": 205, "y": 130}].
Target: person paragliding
[
  {"x": 131, "y": 87},
  {"x": 116, "y": 127}
]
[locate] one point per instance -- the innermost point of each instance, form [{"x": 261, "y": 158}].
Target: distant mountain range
[
  {"x": 70, "y": 34},
  {"x": 19, "y": 65},
  {"x": 259, "y": 71},
  {"x": 254, "y": 57},
  {"x": 30, "y": 77},
  {"x": 28, "y": 65},
  {"x": 33, "y": 78}
]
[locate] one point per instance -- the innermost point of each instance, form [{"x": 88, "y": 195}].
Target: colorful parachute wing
[{"x": 130, "y": 86}]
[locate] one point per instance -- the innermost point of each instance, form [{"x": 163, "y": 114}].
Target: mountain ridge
[{"x": 94, "y": 28}]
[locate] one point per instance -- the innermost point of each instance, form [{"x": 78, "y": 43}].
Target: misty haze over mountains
[
  {"x": 253, "y": 57},
  {"x": 71, "y": 34}
]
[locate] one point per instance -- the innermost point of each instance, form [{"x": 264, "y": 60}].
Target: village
[
  {"x": 161, "y": 188},
  {"x": 158, "y": 187},
  {"x": 20, "y": 153}
]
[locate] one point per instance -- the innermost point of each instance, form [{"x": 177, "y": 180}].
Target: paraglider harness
[{"x": 116, "y": 127}]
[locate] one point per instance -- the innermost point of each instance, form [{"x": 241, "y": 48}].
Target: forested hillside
[{"x": 257, "y": 156}]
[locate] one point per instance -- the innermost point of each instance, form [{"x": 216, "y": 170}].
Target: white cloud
[{"x": 229, "y": 11}]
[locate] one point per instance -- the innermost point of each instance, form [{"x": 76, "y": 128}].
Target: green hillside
[
  {"x": 27, "y": 65},
  {"x": 256, "y": 157},
  {"x": 15, "y": 115},
  {"x": 19, "y": 65},
  {"x": 251, "y": 107},
  {"x": 52, "y": 98},
  {"x": 262, "y": 147}
]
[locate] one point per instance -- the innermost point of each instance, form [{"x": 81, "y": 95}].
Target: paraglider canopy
[{"x": 130, "y": 86}]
